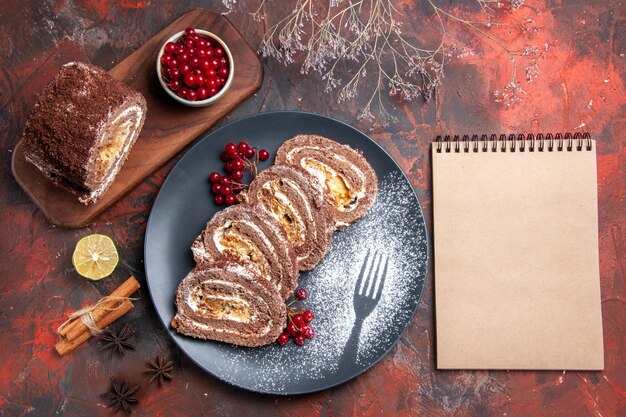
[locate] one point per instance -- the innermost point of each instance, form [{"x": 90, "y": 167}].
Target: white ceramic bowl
[{"x": 210, "y": 100}]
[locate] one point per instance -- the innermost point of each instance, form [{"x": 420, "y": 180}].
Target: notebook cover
[{"x": 516, "y": 260}]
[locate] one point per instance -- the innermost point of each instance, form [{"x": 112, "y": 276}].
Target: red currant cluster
[
  {"x": 195, "y": 67},
  {"x": 237, "y": 160},
  {"x": 298, "y": 322}
]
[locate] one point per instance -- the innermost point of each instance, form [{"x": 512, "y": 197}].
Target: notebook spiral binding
[{"x": 513, "y": 143}]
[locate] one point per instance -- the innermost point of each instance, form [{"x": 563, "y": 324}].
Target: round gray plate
[{"x": 347, "y": 340}]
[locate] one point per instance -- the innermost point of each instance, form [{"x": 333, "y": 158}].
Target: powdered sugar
[{"x": 394, "y": 227}]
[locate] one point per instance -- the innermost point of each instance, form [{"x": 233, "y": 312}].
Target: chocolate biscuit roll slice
[
  {"x": 229, "y": 303},
  {"x": 291, "y": 196},
  {"x": 349, "y": 181},
  {"x": 251, "y": 238},
  {"x": 82, "y": 128}
]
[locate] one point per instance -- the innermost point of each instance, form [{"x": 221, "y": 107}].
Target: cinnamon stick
[
  {"x": 75, "y": 329},
  {"x": 65, "y": 346}
]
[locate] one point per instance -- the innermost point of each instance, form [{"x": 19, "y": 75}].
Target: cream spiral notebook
[{"x": 516, "y": 252}]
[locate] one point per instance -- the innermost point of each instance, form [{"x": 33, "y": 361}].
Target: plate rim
[{"x": 427, "y": 242}]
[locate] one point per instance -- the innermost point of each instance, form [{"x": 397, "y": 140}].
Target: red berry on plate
[
  {"x": 308, "y": 316},
  {"x": 214, "y": 177},
  {"x": 190, "y": 32},
  {"x": 184, "y": 68},
  {"x": 224, "y": 156},
  {"x": 298, "y": 320},
  {"x": 200, "y": 80},
  {"x": 302, "y": 293},
  {"x": 210, "y": 73},
  {"x": 174, "y": 84},
  {"x": 216, "y": 188},
  {"x": 231, "y": 149},
  {"x": 291, "y": 329},
  {"x": 223, "y": 62},
  {"x": 170, "y": 48},
  {"x": 204, "y": 65},
  {"x": 184, "y": 57},
  {"x": 182, "y": 92},
  {"x": 203, "y": 93},
  {"x": 283, "y": 338},
  {"x": 192, "y": 95},
  {"x": 190, "y": 80},
  {"x": 196, "y": 71},
  {"x": 230, "y": 200},
  {"x": 218, "y": 52},
  {"x": 219, "y": 199},
  {"x": 200, "y": 43},
  {"x": 225, "y": 180},
  {"x": 299, "y": 339},
  {"x": 237, "y": 175},
  {"x": 212, "y": 92},
  {"x": 223, "y": 72},
  {"x": 228, "y": 166},
  {"x": 242, "y": 146},
  {"x": 179, "y": 49},
  {"x": 191, "y": 52},
  {"x": 307, "y": 331},
  {"x": 201, "y": 53},
  {"x": 212, "y": 82},
  {"x": 209, "y": 51},
  {"x": 237, "y": 165},
  {"x": 249, "y": 153},
  {"x": 226, "y": 190},
  {"x": 214, "y": 62},
  {"x": 194, "y": 62},
  {"x": 264, "y": 155}
]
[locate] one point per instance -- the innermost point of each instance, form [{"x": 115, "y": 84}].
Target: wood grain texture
[{"x": 169, "y": 126}]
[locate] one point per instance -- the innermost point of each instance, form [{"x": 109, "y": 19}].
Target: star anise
[
  {"x": 160, "y": 368},
  {"x": 117, "y": 341},
  {"x": 120, "y": 396}
]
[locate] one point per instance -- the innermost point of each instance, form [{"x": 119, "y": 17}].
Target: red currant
[
  {"x": 219, "y": 199},
  {"x": 214, "y": 62},
  {"x": 223, "y": 62},
  {"x": 237, "y": 175},
  {"x": 203, "y": 93},
  {"x": 218, "y": 52},
  {"x": 237, "y": 165},
  {"x": 212, "y": 82},
  {"x": 180, "y": 49},
  {"x": 210, "y": 72},
  {"x": 264, "y": 155},
  {"x": 190, "y": 79},
  {"x": 242, "y": 146},
  {"x": 228, "y": 166},
  {"x": 225, "y": 180},
  {"x": 249, "y": 153},
  {"x": 165, "y": 59},
  {"x": 230, "y": 200},
  {"x": 302, "y": 293},
  {"x": 172, "y": 63},
  {"x": 192, "y": 95},
  {"x": 188, "y": 42},
  {"x": 200, "y": 43},
  {"x": 231, "y": 149},
  {"x": 283, "y": 338},
  {"x": 174, "y": 85},
  {"x": 308, "y": 316},
  {"x": 212, "y": 92},
  {"x": 299, "y": 339},
  {"x": 201, "y": 53},
  {"x": 182, "y": 92},
  {"x": 291, "y": 329},
  {"x": 307, "y": 331},
  {"x": 191, "y": 52},
  {"x": 223, "y": 72},
  {"x": 226, "y": 190},
  {"x": 174, "y": 73},
  {"x": 214, "y": 177},
  {"x": 184, "y": 68},
  {"x": 200, "y": 80},
  {"x": 204, "y": 65},
  {"x": 298, "y": 320},
  {"x": 216, "y": 188},
  {"x": 224, "y": 156},
  {"x": 184, "y": 57},
  {"x": 194, "y": 62},
  {"x": 170, "y": 48},
  {"x": 190, "y": 32}
]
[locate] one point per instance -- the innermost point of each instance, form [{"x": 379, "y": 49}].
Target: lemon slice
[{"x": 95, "y": 257}]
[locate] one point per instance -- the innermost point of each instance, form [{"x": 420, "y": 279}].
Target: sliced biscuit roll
[
  {"x": 82, "y": 128},
  {"x": 349, "y": 181},
  {"x": 251, "y": 238},
  {"x": 290, "y": 194},
  {"x": 229, "y": 303}
]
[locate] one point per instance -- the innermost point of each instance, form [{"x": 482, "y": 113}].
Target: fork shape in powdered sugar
[{"x": 367, "y": 293}]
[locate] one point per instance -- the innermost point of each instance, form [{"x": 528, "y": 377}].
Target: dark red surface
[{"x": 582, "y": 86}]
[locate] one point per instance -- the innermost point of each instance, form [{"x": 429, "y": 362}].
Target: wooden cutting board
[{"x": 169, "y": 126}]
